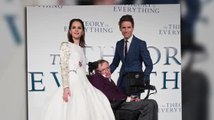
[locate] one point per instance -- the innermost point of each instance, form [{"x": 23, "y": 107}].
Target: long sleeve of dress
[{"x": 64, "y": 63}]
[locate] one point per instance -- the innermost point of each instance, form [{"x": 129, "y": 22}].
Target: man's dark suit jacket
[
  {"x": 112, "y": 92},
  {"x": 137, "y": 54}
]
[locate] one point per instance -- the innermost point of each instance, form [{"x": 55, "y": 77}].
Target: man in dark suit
[
  {"x": 147, "y": 109},
  {"x": 132, "y": 54}
]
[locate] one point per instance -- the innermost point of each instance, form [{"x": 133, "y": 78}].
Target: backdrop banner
[{"x": 158, "y": 25}]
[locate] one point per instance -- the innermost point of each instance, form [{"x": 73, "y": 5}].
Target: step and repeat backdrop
[{"x": 158, "y": 25}]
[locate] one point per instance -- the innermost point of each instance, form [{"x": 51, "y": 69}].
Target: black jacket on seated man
[{"x": 148, "y": 109}]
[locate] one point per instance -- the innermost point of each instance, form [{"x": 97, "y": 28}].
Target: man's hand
[
  {"x": 135, "y": 98},
  {"x": 66, "y": 94}
]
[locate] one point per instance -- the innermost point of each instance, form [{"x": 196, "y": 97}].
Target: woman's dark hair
[
  {"x": 82, "y": 38},
  {"x": 126, "y": 18}
]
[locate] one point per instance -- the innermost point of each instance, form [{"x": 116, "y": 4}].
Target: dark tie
[{"x": 126, "y": 41}]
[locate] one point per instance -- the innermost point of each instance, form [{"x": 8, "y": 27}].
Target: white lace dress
[{"x": 86, "y": 102}]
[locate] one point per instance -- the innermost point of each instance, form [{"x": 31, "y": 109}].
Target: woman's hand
[{"x": 66, "y": 94}]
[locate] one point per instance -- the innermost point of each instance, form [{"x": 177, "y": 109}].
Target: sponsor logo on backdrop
[
  {"x": 170, "y": 108},
  {"x": 137, "y": 9},
  {"x": 170, "y": 29},
  {"x": 95, "y": 27}
]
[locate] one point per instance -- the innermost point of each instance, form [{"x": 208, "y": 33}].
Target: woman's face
[{"x": 76, "y": 30}]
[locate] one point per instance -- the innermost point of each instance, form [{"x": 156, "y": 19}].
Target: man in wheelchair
[{"x": 125, "y": 107}]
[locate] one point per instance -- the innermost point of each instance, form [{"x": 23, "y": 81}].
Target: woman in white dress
[{"x": 77, "y": 99}]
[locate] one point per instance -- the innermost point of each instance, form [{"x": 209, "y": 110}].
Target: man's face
[
  {"x": 104, "y": 70},
  {"x": 126, "y": 29}
]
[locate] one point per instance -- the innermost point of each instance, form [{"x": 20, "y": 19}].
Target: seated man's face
[{"x": 104, "y": 70}]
